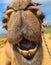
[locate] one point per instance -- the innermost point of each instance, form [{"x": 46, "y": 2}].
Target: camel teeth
[
  {"x": 27, "y": 53},
  {"x": 32, "y": 51}
]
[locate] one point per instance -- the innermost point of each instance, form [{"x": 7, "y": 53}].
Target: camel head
[{"x": 23, "y": 22}]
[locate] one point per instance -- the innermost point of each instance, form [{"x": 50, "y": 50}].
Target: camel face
[
  {"x": 23, "y": 24},
  {"x": 23, "y": 27}
]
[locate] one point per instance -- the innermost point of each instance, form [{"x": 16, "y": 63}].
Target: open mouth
[{"x": 27, "y": 48}]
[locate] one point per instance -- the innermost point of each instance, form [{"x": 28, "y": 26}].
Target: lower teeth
[{"x": 27, "y": 53}]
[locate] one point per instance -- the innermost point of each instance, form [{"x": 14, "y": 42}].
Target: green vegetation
[
  {"x": 48, "y": 30},
  {"x": 2, "y": 36}
]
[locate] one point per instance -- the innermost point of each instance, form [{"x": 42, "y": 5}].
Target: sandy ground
[{"x": 46, "y": 57}]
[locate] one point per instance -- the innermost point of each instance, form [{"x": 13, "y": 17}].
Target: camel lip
[
  {"x": 25, "y": 44},
  {"x": 27, "y": 48}
]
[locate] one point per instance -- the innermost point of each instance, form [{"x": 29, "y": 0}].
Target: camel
[{"x": 23, "y": 21}]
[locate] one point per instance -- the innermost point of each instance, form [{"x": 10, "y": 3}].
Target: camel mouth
[{"x": 27, "y": 48}]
